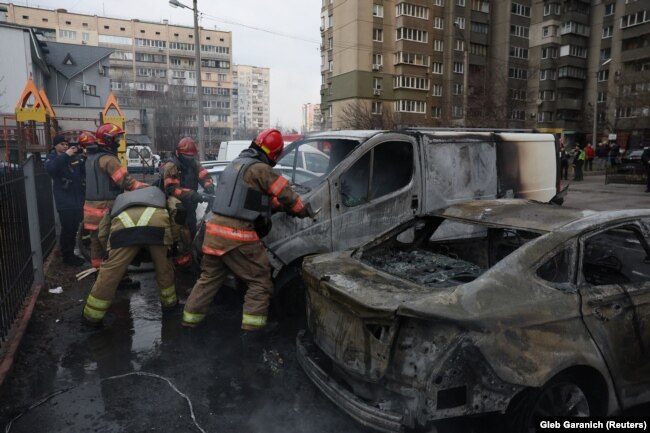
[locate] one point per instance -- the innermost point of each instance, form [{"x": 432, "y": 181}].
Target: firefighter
[
  {"x": 182, "y": 174},
  {"x": 105, "y": 179},
  {"x": 246, "y": 191},
  {"x": 138, "y": 219}
]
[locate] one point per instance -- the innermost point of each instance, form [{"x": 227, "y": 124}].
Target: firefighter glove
[
  {"x": 310, "y": 212},
  {"x": 209, "y": 189}
]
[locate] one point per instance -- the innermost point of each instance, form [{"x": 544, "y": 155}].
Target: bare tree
[{"x": 358, "y": 115}]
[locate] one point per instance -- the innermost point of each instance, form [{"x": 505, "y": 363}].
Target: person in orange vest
[
  {"x": 182, "y": 174},
  {"x": 106, "y": 178},
  {"x": 247, "y": 190}
]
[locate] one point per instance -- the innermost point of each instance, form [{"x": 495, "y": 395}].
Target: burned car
[{"x": 493, "y": 306}]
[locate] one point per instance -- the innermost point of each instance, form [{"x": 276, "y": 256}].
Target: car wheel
[{"x": 560, "y": 397}]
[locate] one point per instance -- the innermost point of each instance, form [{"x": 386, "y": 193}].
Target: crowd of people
[
  {"x": 130, "y": 220},
  {"x": 581, "y": 158}
]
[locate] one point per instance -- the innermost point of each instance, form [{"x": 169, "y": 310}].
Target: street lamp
[
  {"x": 593, "y": 139},
  {"x": 199, "y": 87}
]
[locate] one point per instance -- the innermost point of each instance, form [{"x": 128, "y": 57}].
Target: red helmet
[
  {"x": 86, "y": 138},
  {"x": 107, "y": 133},
  {"x": 271, "y": 142},
  {"x": 186, "y": 146}
]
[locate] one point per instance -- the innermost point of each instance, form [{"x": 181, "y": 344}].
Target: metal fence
[
  {"x": 626, "y": 173},
  {"x": 16, "y": 267},
  {"x": 25, "y": 191}
]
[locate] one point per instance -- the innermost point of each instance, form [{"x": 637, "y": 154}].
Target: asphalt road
[{"x": 144, "y": 372}]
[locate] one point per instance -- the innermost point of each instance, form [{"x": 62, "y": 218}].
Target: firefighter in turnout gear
[
  {"x": 247, "y": 190},
  {"x": 182, "y": 174},
  {"x": 105, "y": 179},
  {"x": 139, "y": 219}
]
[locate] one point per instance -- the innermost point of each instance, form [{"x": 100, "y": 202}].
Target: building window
[
  {"x": 378, "y": 11},
  {"x": 551, "y": 9},
  {"x": 518, "y": 115},
  {"x": 634, "y": 19},
  {"x": 330, "y": 43},
  {"x": 478, "y": 49},
  {"x": 549, "y": 53},
  {"x": 518, "y": 73},
  {"x": 410, "y": 82},
  {"x": 547, "y": 95},
  {"x": 377, "y": 59},
  {"x": 457, "y": 89},
  {"x": 607, "y": 32},
  {"x": 416, "y": 35},
  {"x": 416, "y": 11},
  {"x": 377, "y": 83},
  {"x": 45, "y": 20},
  {"x": 460, "y": 45},
  {"x": 85, "y": 36},
  {"x": 67, "y": 34},
  {"x": 459, "y": 22},
  {"x": 376, "y": 107},
  {"x": 481, "y": 6},
  {"x": 545, "y": 116},
  {"x": 519, "y": 52},
  {"x": 410, "y": 106},
  {"x": 602, "y": 96},
  {"x": 547, "y": 74},
  {"x": 457, "y": 111},
  {"x": 517, "y": 94},
  {"x": 436, "y": 112},
  {"x": 437, "y": 45},
  {"x": 460, "y": 3},
  {"x": 377, "y": 35},
  {"x": 459, "y": 68},
  {"x": 609, "y": 9},
  {"x": 573, "y": 50},
  {"x": 437, "y": 90},
  {"x": 520, "y": 31},
  {"x": 521, "y": 10},
  {"x": 25, "y": 17},
  {"x": 603, "y": 75},
  {"x": 330, "y": 66},
  {"x": 571, "y": 72},
  {"x": 479, "y": 27},
  {"x": 549, "y": 31},
  {"x": 411, "y": 58},
  {"x": 436, "y": 68},
  {"x": 605, "y": 53},
  {"x": 438, "y": 23},
  {"x": 330, "y": 21},
  {"x": 439, "y": 2}
]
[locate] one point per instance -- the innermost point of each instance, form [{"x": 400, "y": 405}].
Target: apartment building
[
  {"x": 311, "y": 118},
  {"x": 251, "y": 96},
  {"x": 152, "y": 64},
  {"x": 475, "y": 63}
]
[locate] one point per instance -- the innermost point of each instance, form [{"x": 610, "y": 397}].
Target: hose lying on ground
[{"x": 119, "y": 376}]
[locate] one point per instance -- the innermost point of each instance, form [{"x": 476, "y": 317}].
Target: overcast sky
[{"x": 294, "y": 61}]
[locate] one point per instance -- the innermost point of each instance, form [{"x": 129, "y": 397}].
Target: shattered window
[
  {"x": 617, "y": 256},
  {"x": 556, "y": 269},
  {"x": 392, "y": 169}
]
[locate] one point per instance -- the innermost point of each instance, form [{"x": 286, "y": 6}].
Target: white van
[
  {"x": 140, "y": 159},
  {"x": 229, "y": 150}
]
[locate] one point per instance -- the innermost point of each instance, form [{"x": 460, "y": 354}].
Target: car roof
[{"x": 530, "y": 215}]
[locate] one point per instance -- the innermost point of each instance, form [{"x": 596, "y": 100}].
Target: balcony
[
  {"x": 635, "y": 54},
  {"x": 569, "y": 104}
]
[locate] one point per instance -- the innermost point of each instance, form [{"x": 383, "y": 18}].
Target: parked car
[
  {"x": 503, "y": 306},
  {"x": 631, "y": 163}
]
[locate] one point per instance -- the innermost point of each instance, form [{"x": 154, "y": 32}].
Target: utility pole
[{"x": 199, "y": 87}]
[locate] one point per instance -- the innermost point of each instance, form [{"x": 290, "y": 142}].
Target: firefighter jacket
[
  {"x": 105, "y": 179},
  {"x": 140, "y": 218},
  {"x": 181, "y": 180},
  {"x": 252, "y": 178},
  {"x": 68, "y": 179}
]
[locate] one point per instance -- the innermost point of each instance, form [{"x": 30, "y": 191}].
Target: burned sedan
[{"x": 502, "y": 306}]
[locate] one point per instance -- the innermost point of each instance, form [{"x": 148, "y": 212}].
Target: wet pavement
[{"x": 144, "y": 372}]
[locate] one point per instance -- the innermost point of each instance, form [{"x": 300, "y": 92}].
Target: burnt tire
[{"x": 562, "y": 396}]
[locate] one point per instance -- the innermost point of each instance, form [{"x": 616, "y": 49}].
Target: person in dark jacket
[
  {"x": 645, "y": 158},
  {"x": 66, "y": 167}
]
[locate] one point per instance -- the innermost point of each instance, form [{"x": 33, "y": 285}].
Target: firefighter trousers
[
  {"x": 112, "y": 271},
  {"x": 249, "y": 263}
]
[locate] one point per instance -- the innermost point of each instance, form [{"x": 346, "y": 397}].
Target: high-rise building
[
  {"x": 311, "y": 118},
  {"x": 152, "y": 65},
  {"x": 250, "y": 100},
  {"x": 479, "y": 63}
]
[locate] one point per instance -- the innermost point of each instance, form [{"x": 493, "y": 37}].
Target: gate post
[{"x": 34, "y": 227}]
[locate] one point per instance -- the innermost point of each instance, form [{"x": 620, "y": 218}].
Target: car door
[
  {"x": 378, "y": 190},
  {"x": 614, "y": 283}
]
